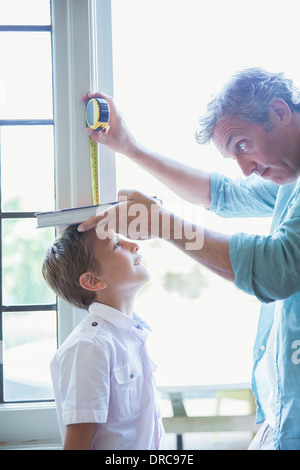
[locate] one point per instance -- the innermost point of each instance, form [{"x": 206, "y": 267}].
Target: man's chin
[{"x": 283, "y": 180}]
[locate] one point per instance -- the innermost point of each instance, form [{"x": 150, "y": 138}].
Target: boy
[{"x": 102, "y": 375}]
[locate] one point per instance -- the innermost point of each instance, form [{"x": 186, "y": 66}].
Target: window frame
[{"x": 82, "y": 61}]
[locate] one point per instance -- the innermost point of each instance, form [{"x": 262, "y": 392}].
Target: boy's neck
[{"x": 122, "y": 303}]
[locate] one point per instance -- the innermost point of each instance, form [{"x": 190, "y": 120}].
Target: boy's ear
[{"x": 91, "y": 281}]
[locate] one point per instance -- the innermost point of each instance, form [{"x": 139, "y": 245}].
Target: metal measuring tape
[{"x": 97, "y": 118}]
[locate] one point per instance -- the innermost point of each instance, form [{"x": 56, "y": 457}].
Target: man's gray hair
[{"x": 247, "y": 95}]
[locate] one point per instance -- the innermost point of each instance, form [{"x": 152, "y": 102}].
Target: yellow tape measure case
[{"x": 97, "y": 114}]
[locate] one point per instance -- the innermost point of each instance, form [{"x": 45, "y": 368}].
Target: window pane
[
  {"x": 24, "y": 12},
  {"x": 27, "y": 168},
  {"x": 23, "y": 248},
  {"x": 29, "y": 344},
  {"x": 26, "y": 75}
]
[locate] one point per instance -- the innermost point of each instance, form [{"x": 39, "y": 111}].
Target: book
[{"x": 73, "y": 215}]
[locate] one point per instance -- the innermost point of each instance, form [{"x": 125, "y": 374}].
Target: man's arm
[
  {"x": 79, "y": 436},
  {"x": 209, "y": 248},
  {"x": 190, "y": 183}
]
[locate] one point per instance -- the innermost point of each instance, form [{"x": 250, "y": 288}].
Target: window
[
  {"x": 28, "y": 307},
  {"x": 46, "y": 139},
  {"x": 169, "y": 57}
]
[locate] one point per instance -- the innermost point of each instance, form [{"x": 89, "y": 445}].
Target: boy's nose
[{"x": 133, "y": 246}]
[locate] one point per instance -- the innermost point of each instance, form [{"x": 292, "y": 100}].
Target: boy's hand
[
  {"x": 137, "y": 217},
  {"x": 116, "y": 135}
]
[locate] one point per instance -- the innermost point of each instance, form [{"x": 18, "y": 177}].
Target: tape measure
[
  {"x": 97, "y": 118},
  {"x": 94, "y": 171},
  {"x": 97, "y": 114}
]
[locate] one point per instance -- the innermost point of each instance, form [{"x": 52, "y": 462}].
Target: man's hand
[
  {"x": 116, "y": 135},
  {"x": 137, "y": 217}
]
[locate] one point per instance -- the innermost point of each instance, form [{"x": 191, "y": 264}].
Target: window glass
[
  {"x": 29, "y": 345},
  {"x": 27, "y": 168},
  {"x": 169, "y": 58},
  {"x": 23, "y": 247},
  {"x": 26, "y": 75},
  {"x": 26, "y": 94},
  {"x": 24, "y": 12},
  {"x": 28, "y": 315}
]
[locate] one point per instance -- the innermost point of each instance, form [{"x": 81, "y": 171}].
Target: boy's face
[{"x": 120, "y": 262}]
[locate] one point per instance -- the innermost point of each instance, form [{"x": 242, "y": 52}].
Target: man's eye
[
  {"x": 116, "y": 245},
  {"x": 241, "y": 146}
]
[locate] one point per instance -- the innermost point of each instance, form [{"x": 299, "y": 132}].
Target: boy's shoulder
[{"x": 85, "y": 332}]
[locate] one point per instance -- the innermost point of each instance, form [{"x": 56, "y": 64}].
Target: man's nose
[{"x": 247, "y": 167}]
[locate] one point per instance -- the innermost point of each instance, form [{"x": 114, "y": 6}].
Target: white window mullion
[
  {"x": 85, "y": 63},
  {"x": 84, "y": 27},
  {"x": 72, "y": 76},
  {"x": 103, "y": 39}
]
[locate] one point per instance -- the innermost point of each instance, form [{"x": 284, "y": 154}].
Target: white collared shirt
[{"x": 103, "y": 374}]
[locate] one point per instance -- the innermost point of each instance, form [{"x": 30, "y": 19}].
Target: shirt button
[
  {"x": 262, "y": 348},
  {"x": 139, "y": 327},
  {"x": 94, "y": 323},
  {"x": 131, "y": 375}
]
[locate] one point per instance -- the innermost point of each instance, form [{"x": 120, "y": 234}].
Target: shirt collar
[{"x": 114, "y": 316}]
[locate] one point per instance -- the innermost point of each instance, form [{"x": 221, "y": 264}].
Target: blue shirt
[{"x": 269, "y": 268}]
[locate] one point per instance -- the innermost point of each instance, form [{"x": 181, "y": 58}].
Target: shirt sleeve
[
  {"x": 85, "y": 383},
  {"x": 244, "y": 197},
  {"x": 269, "y": 266}
]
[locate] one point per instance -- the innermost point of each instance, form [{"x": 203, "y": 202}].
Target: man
[{"x": 255, "y": 119}]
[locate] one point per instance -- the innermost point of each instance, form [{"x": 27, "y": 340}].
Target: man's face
[
  {"x": 269, "y": 154},
  {"x": 120, "y": 262}
]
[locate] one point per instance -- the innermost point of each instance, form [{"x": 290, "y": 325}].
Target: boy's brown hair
[{"x": 71, "y": 255}]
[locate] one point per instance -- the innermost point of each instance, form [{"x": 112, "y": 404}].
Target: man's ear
[
  {"x": 279, "y": 112},
  {"x": 91, "y": 281}
]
